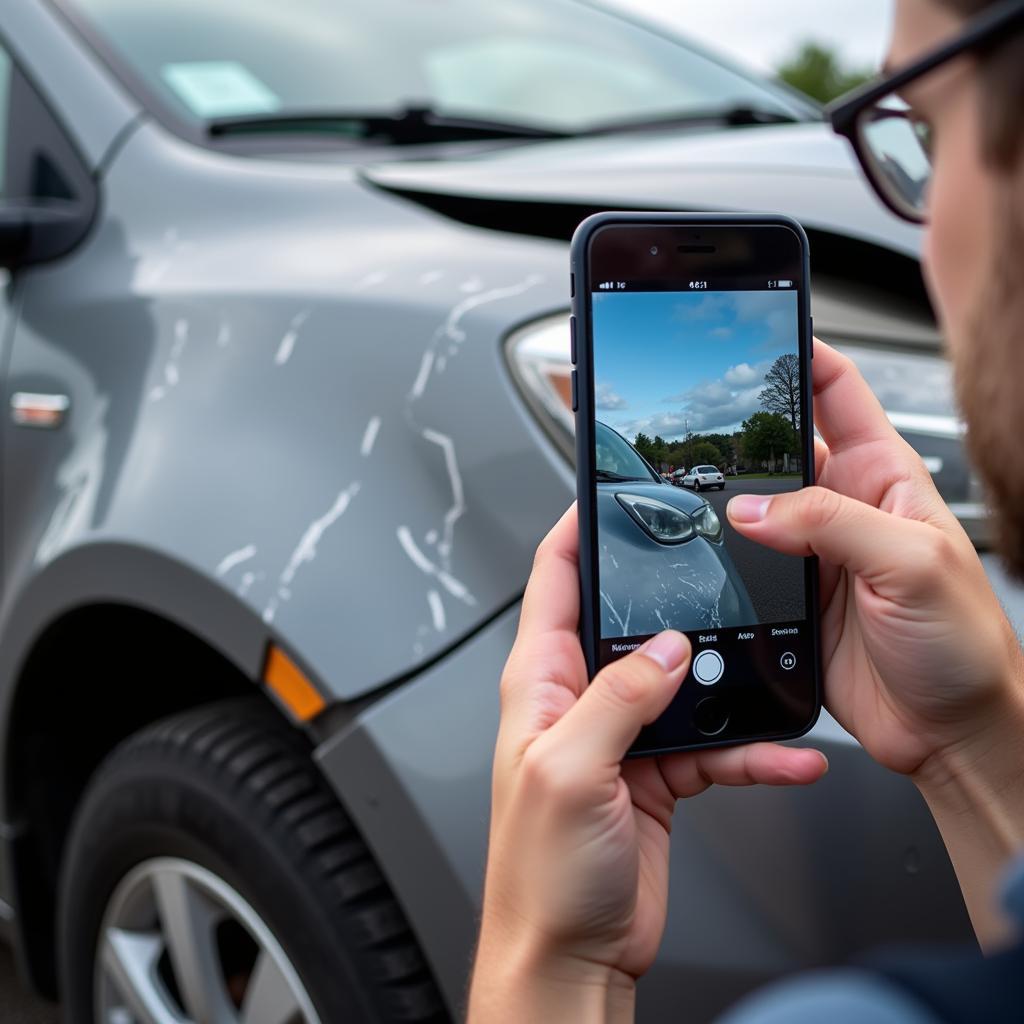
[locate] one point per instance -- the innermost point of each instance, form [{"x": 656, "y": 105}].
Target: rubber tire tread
[{"x": 233, "y": 787}]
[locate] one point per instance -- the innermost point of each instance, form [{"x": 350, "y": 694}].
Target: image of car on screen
[
  {"x": 662, "y": 562},
  {"x": 704, "y": 476}
]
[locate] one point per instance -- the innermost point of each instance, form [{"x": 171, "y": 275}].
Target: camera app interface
[{"x": 697, "y": 397}]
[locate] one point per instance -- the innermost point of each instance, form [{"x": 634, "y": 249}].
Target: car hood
[{"x": 801, "y": 169}]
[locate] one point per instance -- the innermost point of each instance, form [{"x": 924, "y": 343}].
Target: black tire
[
  {"x": 696, "y": 486},
  {"x": 721, "y": 487},
  {"x": 232, "y": 788}
]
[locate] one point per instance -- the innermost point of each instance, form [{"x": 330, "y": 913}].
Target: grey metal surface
[{"x": 802, "y": 170}]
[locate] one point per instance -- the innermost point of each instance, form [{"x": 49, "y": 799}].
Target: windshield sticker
[{"x": 219, "y": 88}]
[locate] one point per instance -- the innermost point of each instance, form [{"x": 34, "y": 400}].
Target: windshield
[
  {"x": 617, "y": 459},
  {"x": 707, "y": 469},
  {"x": 559, "y": 64}
]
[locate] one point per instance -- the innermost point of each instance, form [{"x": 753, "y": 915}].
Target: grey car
[
  {"x": 284, "y": 355},
  {"x": 662, "y": 558}
]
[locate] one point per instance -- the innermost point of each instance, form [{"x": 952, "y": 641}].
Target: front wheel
[
  {"x": 696, "y": 485},
  {"x": 211, "y": 875}
]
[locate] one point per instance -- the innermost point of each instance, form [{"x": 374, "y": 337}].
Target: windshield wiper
[
  {"x": 404, "y": 127},
  {"x": 608, "y": 477},
  {"x": 733, "y": 116}
]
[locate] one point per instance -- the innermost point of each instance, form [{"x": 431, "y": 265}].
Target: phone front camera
[{"x": 654, "y": 250}]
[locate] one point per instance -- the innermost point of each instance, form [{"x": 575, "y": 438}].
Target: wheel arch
[{"x": 103, "y": 641}]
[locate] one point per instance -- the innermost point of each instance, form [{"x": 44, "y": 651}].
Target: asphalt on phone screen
[{"x": 696, "y": 397}]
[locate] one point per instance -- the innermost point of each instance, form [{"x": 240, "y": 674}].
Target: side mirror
[{"x": 39, "y": 230}]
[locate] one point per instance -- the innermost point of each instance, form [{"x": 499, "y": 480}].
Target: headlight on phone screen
[
  {"x": 667, "y": 525},
  {"x": 708, "y": 523}
]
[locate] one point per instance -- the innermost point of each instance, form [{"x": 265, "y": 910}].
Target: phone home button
[{"x": 711, "y": 715}]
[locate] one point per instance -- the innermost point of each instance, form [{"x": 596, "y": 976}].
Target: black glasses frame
[{"x": 844, "y": 113}]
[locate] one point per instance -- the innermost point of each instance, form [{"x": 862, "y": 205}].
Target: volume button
[
  {"x": 572, "y": 339},
  {"x": 575, "y": 395}
]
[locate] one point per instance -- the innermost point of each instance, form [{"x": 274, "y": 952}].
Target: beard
[{"x": 989, "y": 374}]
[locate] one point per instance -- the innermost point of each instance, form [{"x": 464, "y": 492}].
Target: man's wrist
[
  {"x": 985, "y": 766},
  {"x": 975, "y": 791},
  {"x": 523, "y": 980}
]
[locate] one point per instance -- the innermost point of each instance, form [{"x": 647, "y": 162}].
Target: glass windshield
[
  {"x": 617, "y": 459},
  {"x": 559, "y": 64}
]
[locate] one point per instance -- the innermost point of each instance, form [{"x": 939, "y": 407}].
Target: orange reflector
[{"x": 293, "y": 689}]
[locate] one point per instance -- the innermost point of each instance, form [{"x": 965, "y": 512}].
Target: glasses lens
[{"x": 899, "y": 151}]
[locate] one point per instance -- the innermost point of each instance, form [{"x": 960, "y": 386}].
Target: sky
[
  {"x": 665, "y": 361},
  {"x": 763, "y": 34}
]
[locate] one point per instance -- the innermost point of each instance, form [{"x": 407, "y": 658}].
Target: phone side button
[
  {"x": 572, "y": 339},
  {"x": 711, "y": 715},
  {"x": 575, "y": 396}
]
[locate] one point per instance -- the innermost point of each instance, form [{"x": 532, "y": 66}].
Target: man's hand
[
  {"x": 577, "y": 876},
  {"x": 921, "y": 664}
]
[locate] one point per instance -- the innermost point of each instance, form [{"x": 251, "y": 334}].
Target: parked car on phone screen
[
  {"x": 285, "y": 356},
  {"x": 704, "y": 476}
]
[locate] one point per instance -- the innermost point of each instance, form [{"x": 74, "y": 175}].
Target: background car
[
  {"x": 285, "y": 353},
  {"x": 661, "y": 555},
  {"x": 704, "y": 476}
]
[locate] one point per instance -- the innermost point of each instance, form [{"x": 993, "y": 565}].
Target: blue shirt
[{"x": 858, "y": 995}]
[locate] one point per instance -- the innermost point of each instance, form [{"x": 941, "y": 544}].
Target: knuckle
[
  {"x": 815, "y": 508},
  {"x": 629, "y": 680},
  {"x": 543, "y": 775}
]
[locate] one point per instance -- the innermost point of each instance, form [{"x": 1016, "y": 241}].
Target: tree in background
[
  {"x": 705, "y": 453},
  {"x": 816, "y": 70},
  {"x": 781, "y": 392},
  {"x": 768, "y": 436}
]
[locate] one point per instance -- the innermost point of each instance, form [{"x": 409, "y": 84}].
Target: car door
[{"x": 43, "y": 180}]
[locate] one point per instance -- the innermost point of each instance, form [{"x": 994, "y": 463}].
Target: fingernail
[
  {"x": 824, "y": 758},
  {"x": 748, "y": 508},
  {"x": 668, "y": 649}
]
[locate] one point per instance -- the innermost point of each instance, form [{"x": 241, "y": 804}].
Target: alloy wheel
[{"x": 178, "y": 945}]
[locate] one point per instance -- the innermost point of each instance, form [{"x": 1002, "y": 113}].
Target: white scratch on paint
[
  {"x": 228, "y": 562},
  {"x": 436, "y": 609},
  {"x": 369, "y": 436},
  {"x": 287, "y": 346},
  {"x": 454, "y": 586}
]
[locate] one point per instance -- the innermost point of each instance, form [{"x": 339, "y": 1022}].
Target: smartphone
[{"x": 691, "y": 341}]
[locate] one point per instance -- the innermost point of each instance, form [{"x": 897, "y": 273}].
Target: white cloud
[
  {"x": 743, "y": 375},
  {"x": 606, "y": 398}
]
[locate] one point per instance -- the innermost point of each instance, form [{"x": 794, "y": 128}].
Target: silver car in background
[{"x": 285, "y": 364}]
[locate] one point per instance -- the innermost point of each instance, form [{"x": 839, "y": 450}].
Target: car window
[
  {"x": 561, "y": 64},
  {"x": 5, "y": 93},
  {"x": 616, "y": 456}
]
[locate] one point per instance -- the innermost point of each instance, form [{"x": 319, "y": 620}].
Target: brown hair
[{"x": 1001, "y": 67}]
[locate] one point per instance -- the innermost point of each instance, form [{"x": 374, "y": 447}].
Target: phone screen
[{"x": 698, "y": 378}]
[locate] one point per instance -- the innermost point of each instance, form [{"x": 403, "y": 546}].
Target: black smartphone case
[{"x": 583, "y": 392}]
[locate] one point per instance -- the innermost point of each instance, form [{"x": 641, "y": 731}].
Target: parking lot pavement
[
  {"x": 773, "y": 581},
  {"x": 17, "y": 1005}
]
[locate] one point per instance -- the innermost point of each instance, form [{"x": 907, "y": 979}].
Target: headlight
[
  {"x": 708, "y": 523},
  {"x": 665, "y": 524},
  {"x": 538, "y": 356}
]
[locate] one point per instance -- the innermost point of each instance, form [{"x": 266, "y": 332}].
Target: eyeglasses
[{"x": 892, "y": 145}]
